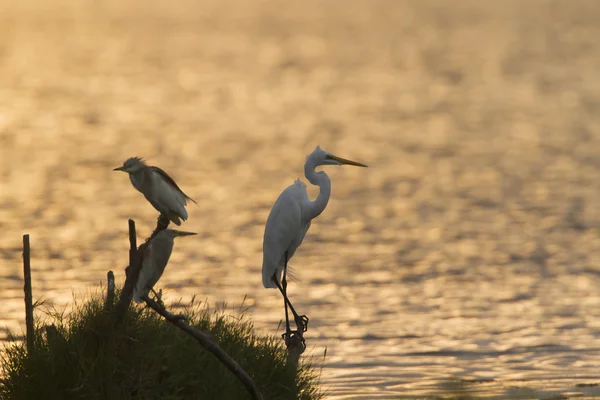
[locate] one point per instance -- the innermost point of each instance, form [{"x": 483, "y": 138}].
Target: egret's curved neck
[{"x": 321, "y": 180}]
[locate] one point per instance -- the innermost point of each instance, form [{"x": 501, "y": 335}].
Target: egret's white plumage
[
  {"x": 286, "y": 227},
  {"x": 158, "y": 188},
  {"x": 290, "y": 219},
  {"x": 154, "y": 261},
  {"x": 293, "y": 212}
]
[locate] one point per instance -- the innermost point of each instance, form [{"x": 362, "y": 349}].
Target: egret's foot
[
  {"x": 294, "y": 339},
  {"x": 301, "y": 322}
]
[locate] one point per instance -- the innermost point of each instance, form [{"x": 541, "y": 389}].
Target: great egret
[
  {"x": 158, "y": 188},
  {"x": 154, "y": 261},
  {"x": 289, "y": 221}
]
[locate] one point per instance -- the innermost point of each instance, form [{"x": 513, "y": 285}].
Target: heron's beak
[
  {"x": 122, "y": 168},
  {"x": 344, "y": 161},
  {"x": 182, "y": 233}
]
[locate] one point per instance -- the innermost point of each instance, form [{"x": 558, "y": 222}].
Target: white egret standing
[
  {"x": 154, "y": 261},
  {"x": 158, "y": 188},
  {"x": 289, "y": 221}
]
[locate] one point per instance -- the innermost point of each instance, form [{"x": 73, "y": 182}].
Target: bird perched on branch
[
  {"x": 158, "y": 188},
  {"x": 154, "y": 261},
  {"x": 289, "y": 221}
]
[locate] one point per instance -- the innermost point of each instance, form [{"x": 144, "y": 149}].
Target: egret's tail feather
[{"x": 290, "y": 276}]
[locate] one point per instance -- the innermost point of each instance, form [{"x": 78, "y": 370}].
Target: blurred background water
[{"x": 464, "y": 259}]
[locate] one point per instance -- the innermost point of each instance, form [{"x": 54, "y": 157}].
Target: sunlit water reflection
[{"x": 464, "y": 259}]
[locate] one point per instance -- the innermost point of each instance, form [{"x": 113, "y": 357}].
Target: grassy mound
[{"x": 83, "y": 356}]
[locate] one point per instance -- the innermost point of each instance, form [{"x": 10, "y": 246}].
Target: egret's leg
[
  {"x": 301, "y": 320},
  {"x": 285, "y": 301},
  {"x": 287, "y": 317},
  {"x": 284, "y": 286}
]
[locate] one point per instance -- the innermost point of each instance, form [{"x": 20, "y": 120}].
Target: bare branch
[{"x": 206, "y": 342}]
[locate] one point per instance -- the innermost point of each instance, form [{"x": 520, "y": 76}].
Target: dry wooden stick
[
  {"x": 28, "y": 292},
  {"x": 132, "y": 273},
  {"x": 295, "y": 346},
  {"x": 110, "y": 291}
]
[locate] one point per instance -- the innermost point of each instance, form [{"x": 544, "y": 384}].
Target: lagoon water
[{"x": 464, "y": 259}]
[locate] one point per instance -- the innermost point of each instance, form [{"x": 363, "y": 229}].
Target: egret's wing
[
  {"x": 141, "y": 286},
  {"x": 290, "y": 274},
  {"x": 301, "y": 198},
  {"x": 154, "y": 261},
  {"x": 163, "y": 247},
  {"x": 284, "y": 231}
]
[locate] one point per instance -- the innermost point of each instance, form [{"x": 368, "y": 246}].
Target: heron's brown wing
[{"x": 170, "y": 180}]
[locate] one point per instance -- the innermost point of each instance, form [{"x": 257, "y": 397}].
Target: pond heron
[
  {"x": 158, "y": 188},
  {"x": 154, "y": 261}
]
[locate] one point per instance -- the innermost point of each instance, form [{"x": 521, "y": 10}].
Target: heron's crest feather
[{"x": 137, "y": 160}]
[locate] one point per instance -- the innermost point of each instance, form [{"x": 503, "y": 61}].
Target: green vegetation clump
[{"x": 83, "y": 356}]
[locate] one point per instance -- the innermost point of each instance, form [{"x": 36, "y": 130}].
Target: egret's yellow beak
[
  {"x": 344, "y": 161},
  {"x": 121, "y": 168}
]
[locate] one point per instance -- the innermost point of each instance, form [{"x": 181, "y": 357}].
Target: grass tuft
[{"x": 82, "y": 355}]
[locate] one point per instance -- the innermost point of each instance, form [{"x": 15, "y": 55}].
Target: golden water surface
[{"x": 466, "y": 257}]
